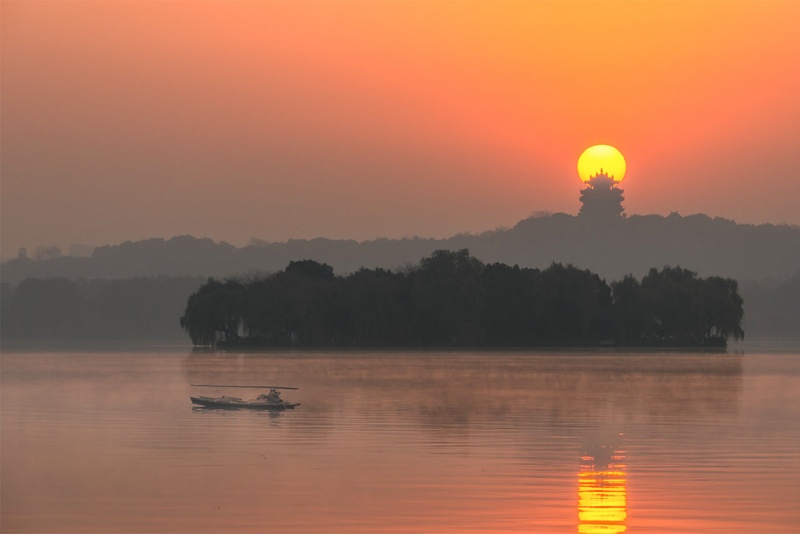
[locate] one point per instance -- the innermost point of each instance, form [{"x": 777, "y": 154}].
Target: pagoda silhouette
[{"x": 601, "y": 199}]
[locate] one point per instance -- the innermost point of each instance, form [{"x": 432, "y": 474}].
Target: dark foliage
[
  {"x": 132, "y": 310},
  {"x": 215, "y": 307},
  {"x": 675, "y": 307},
  {"x": 773, "y": 306},
  {"x": 453, "y": 299},
  {"x": 46, "y": 309}
]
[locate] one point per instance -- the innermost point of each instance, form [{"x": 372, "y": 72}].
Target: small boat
[{"x": 268, "y": 401}]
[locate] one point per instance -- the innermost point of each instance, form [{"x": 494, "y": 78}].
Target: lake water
[{"x": 402, "y": 442}]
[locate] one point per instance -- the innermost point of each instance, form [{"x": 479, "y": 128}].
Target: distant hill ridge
[{"x": 611, "y": 248}]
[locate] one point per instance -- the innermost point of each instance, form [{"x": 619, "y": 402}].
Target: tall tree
[
  {"x": 448, "y": 294},
  {"x": 214, "y": 311}
]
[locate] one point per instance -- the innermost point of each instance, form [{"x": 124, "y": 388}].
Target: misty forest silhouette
[
  {"x": 453, "y": 299},
  {"x": 611, "y": 247},
  {"x": 133, "y": 292}
]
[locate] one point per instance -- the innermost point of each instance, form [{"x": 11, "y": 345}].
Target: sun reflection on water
[{"x": 602, "y": 494}]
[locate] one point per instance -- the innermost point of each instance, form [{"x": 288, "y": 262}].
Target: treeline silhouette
[
  {"x": 57, "y": 309},
  {"x": 773, "y": 307},
  {"x": 453, "y": 299},
  {"x": 610, "y": 247}
]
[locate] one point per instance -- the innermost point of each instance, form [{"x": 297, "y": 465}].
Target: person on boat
[{"x": 274, "y": 396}]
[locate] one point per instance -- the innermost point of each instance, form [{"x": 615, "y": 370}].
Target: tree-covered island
[{"x": 453, "y": 299}]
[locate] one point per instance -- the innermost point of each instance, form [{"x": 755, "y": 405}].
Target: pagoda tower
[{"x": 601, "y": 199}]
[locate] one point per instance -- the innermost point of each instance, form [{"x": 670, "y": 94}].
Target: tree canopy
[{"x": 451, "y": 298}]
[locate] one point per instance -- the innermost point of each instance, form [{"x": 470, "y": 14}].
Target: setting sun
[{"x": 601, "y": 159}]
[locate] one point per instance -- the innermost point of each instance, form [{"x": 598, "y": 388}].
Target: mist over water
[{"x": 506, "y": 441}]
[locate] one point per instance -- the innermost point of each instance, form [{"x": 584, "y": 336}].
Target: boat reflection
[
  {"x": 216, "y": 412},
  {"x": 602, "y": 493}
]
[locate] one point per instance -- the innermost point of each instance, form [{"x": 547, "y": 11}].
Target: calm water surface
[{"x": 427, "y": 442}]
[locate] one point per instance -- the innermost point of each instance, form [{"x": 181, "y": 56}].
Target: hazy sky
[{"x": 123, "y": 120}]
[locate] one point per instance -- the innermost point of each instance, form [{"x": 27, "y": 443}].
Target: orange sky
[{"x": 133, "y": 119}]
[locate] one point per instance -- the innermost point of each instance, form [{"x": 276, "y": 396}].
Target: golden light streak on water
[{"x": 602, "y": 491}]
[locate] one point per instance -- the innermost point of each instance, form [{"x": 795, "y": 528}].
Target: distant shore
[{"x": 767, "y": 344}]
